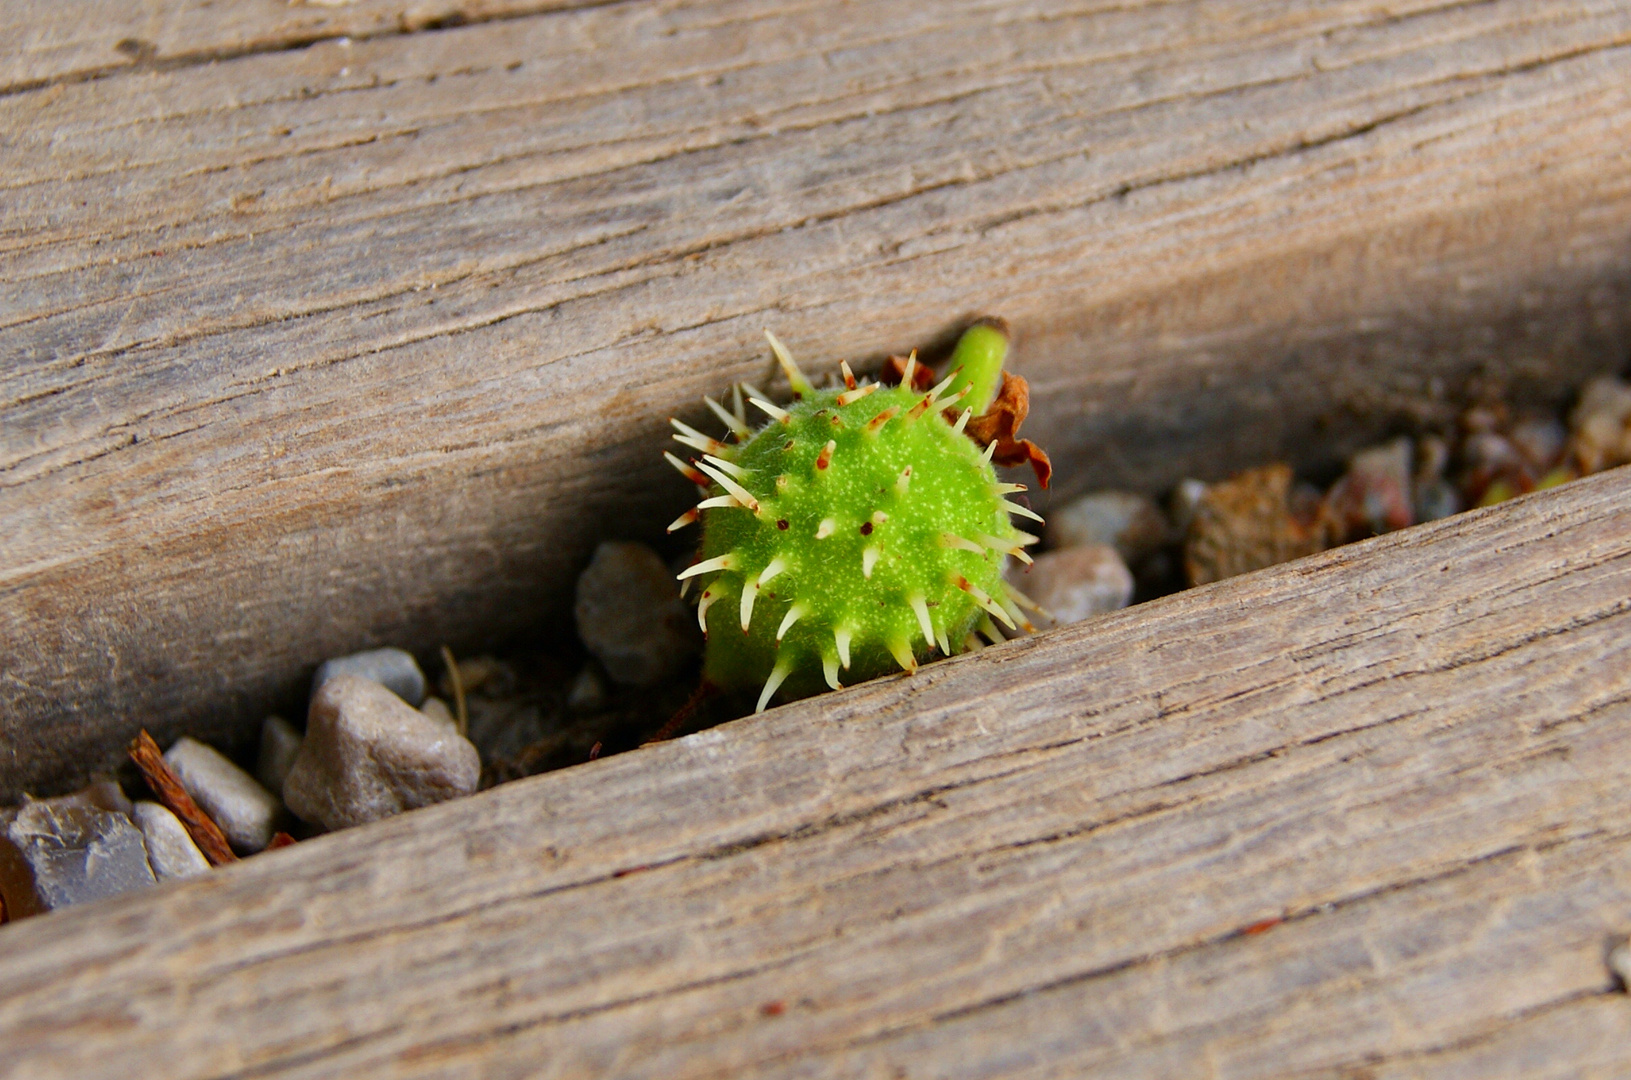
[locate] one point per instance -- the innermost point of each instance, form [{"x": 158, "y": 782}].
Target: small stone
[
  {"x": 1490, "y": 452},
  {"x": 1435, "y": 496},
  {"x": 1601, "y": 425},
  {"x": 394, "y": 669},
  {"x": 1076, "y": 583},
  {"x": 280, "y": 742},
  {"x": 588, "y": 693},
  {"x": 1437, "y": 499},
  {"x": 1246, "y": 523},
  {"x": 1541, "y": 442},
  {"x": 502, "y": 729},
  {"x": 1374, "y": 496},
  {"x": 1432, "y": 459},
  {"x": 1182, "y": 503},
  {"x": 170, "y": 851},
  {"x": 1132, "y": 524},
  {"x": 1490, "y": 462},
  {"x": 437, "y": 710},
  {"x": 58, "y": 852},
  {"x": 246, "y": 812},
  {"x": 631, "y": 617},
  {"x": 104, "y": 794},
  {"x": 367, "y": 756}
]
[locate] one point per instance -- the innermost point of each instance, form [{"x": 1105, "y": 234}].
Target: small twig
[
  {"x": 687, "y": 712},
  {"x": 200, "y": 826},
  {"x": 460, "y": 717},
  {"x": 594, "y": 751}
]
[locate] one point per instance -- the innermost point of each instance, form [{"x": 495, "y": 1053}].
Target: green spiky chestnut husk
[{"x": 856, "y": 533}]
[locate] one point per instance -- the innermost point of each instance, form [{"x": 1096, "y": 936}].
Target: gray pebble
[
  {"x": 1540, "y": 440},
  {"x": 170, "y": 850},
  {"x": 244, "y": 810},
  {"x": 280, "y": 742},
  {"x": 394, "y": 669},
  {"x": 631, "y": 617},
  {"x": 1132, "y": 524},
  {"x": 58, "y": 852},
  {"x": 1490, "y": 452},
  {"x": 367, "y": 756},
  {"x": 1076, "y": 583},
  {"x": 104, "y": 794},
  {"x": 588, "y": 693},
  {"x": 1437, "y": 499},
  {"x": 502, "y": 729}
]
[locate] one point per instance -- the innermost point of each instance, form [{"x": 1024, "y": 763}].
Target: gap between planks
[{"x": 1362, "y": 811}]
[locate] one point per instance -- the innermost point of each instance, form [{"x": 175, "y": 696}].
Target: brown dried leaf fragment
[
  {"x": 1249, "y": 522},
  {"x": 894, "y": 369},
  {"x": 1000, "y": 424},
  {"x": 200, "y": 826}
]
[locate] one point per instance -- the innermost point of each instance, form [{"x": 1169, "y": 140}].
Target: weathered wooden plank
[
  {"x": 357, "y": 343},
  {"x": 50, "y": 43},
  {"x": 1364, "y": 812}
]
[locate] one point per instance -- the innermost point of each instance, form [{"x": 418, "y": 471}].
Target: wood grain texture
[
  {"x": 52, "y": 43},
  {"x": 366, "y": 342},
  {"x": 1360, "y": 815}
]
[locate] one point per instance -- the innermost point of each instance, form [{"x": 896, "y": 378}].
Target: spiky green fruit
[{"x": 855, "y": 533}]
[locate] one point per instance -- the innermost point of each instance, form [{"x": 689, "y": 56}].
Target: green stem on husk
[{"x": 977, "y": 362}]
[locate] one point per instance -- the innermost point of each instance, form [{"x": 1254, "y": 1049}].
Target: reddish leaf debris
[
  {"x": 687, "y": 713},
  {"x": 895, "y": 367},
  {"x": 1000, "y": 424},
  {"x": 200, "y": 826}
]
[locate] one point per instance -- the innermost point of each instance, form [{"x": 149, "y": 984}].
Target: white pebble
[
  {"x": 1186, "y": 497},
  {"x": 170, "y": 850},
  {"x": 1132, "y": 524},
  {"x": 244, "y": 810},
  {"x": 1076, "y": 583}
]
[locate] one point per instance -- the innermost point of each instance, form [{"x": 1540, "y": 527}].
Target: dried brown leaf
[{"x": 200, "y": 826}]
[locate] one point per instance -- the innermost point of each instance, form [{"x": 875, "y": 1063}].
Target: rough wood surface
[
  {"x": 52, "y": 42},
  {"x": 310, "y": 347},
  {"x": 1361, "y": 815}
]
